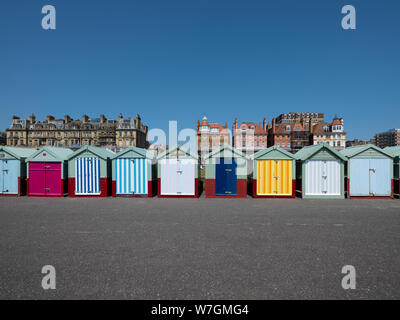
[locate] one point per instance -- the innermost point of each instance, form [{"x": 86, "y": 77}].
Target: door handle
[
  {"x": 276, "y": 177},
  {"x": 324, "y": 177},
  {"x": 47, "y": 167},
  {"x": 47, "y": 189},
  {"x": 228, "y": 192},
  {"x": 372, "y": 169},
  {"x": 228, "y": 170}
]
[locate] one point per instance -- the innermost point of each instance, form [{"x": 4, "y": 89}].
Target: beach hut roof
[
  {"x": 353, "y": 151},
  {"x": 18, "y": 152},
  {"x": 141, "y": 153},
  {"x": 227, "y": 147},
  {"x": 100, "y": 152},
  {"x": 177, "y": 149},
  {"x": 58, "y": 154},
  {"x": 395, "y": 151},
  {"x": 273, "y": 150},
  {"x": 307, "y": 152}
]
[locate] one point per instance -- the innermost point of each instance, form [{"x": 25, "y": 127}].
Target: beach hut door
[
  {"x": 380, "y": 177},
  {"x": 9, "y": 176},
  {"x": 185, "y": 176},
  {"x": 87, "y": 175},
  {"x": 226, "y": 179}
]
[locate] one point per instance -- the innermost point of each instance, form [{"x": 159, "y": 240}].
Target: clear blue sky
[{"x": 181, "y": 59}]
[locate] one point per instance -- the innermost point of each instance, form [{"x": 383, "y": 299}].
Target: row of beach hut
[{"x": 314, "y": 172}]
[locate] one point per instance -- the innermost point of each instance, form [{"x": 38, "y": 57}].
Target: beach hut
[
  {"x": 320, "y": 172},
  {"x": 274, "y": 174},
  {"x": 395, "y": 151},
  {"x": 226, "y": 173},
  {"x": 89, "y": 172},
  {"x": 369, "y": 172},
  {"x": 13, "y": 170},
  {"x": 177, "y": 172},
  {"x": 134, "y": 173},
  {"x": 47, "y": 172}
]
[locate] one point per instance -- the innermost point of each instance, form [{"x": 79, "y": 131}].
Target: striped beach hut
[
  {"x": 13, "y": 170},
  {"x": 320, "y": 172},
  {"x": 395, "y": 151},
  {"x": 47, "y": 172},
  {"x": 177, "y": 173},
  {"x": 369, "y": 172},
  {"x": 134, "y": 173},
  {"x": 89, "y": 172},
  {"x": 274, "y": 174},
  {"x": 226, "y": 171}
]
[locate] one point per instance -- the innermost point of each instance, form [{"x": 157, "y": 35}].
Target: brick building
[
  {"x": 389, "y": 138},
  {"x": 292, "y": 131},
  {"x": 298, "y": 117},
  {"x": 357, "y": 142},
  {"x": 3, "y": 139},
  {"x": 72, "y": 133},
  {"x": 332, "y": 133},
  {"x": 211, "y": 136},
  {"x": 250, "y": 137}
]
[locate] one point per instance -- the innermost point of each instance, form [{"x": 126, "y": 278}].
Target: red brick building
[
  {"x": 210, "y": 136},
  {"x": 250, "y": 137}
]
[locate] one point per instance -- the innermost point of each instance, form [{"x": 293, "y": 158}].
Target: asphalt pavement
[{"x": 117, "y": 248}]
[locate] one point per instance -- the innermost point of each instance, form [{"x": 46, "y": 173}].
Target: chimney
[
  {"x": 120, "y": 117},
  {"x": 67, "y": 118},
  {"x": 341, "y": 120},
  {"x": 32, "y": 118},
  {"x": 273, "y": 126},
  {"x": 50, "y": 118},
  {"x": 102, "y": 118},
  {"x": 198, "y": 124},
  {"x": 85, "y": 118},
  {"x": 15, "y": 117},
  {"x": 265, "y": 124},
  {"x": 138, "y": 121}
]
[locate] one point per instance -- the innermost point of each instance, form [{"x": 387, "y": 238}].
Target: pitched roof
[
  {"x": 257, "y": 128},
  {"x": 228, "y": 147},
  {"x": 141, "y": 152},
  {"x": 393, "y": 150},
  {"x": 18, "y": 152},
  {"x": 60, "y": 154},
  {"x": 177, "y": 148},
  {"x": 353, "y": 151},
  {"x": 100, "y": 152},
  {"x": 263, "y": 152},
  {"x": 307, "y": 152}
]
